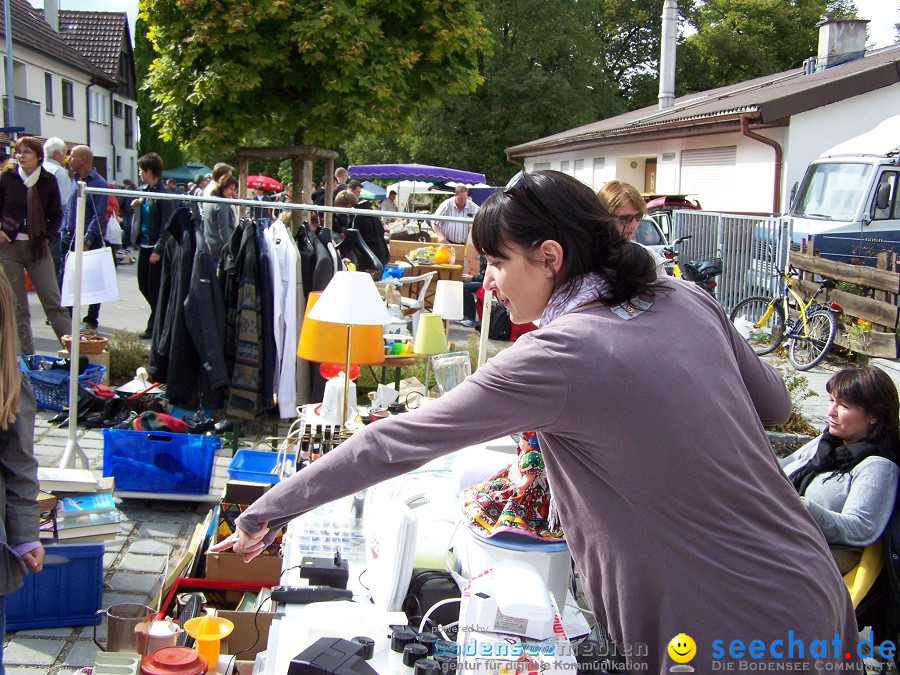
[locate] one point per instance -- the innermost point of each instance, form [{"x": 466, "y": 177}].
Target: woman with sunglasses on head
[
  {"x": 649, "y": 408},
  {"x": 848, "y": 476},
  {"x": 628, "y": 208}
]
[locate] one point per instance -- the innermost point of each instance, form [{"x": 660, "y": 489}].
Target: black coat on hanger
[{"x": 353, "y": 247}]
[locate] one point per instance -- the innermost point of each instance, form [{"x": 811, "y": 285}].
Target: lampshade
[
  {"x": 325, "y": 342},
  {"x": 430, "y": 336},
  {"x": 351, "y": 298},
  {"x": 448, "y": 300}
]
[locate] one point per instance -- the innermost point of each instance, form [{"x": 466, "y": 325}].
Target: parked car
[{"x": 660, "y": 207}]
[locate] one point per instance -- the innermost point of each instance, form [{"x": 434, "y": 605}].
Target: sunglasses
[
  {"x": 628, "y": 217},
  {"x": 520, "y": 183}
]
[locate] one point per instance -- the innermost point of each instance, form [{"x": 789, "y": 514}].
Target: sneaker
[{"x": 468, "y": 323}]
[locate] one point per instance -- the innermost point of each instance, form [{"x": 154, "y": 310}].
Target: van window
[
  {"x": 885, "y": 204},
  {"x": 832, "y": 190}
]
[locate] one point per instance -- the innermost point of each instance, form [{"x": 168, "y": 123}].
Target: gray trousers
[{"x": 16, "y": 259}]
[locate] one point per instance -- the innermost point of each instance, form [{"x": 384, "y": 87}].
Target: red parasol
[{"x": 266, "y": 183}]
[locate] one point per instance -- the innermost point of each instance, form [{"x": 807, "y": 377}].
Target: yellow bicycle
[{"x": 761, "y": 321}]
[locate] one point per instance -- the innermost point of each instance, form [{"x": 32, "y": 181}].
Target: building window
[
  {"x": 541, "y": 166},
  {"x": 118, "y": 110},
  {"x": 564, "y": 166},
  {"x": 68, "y": 98},
  {"x": 118, "y": 163},
  {"x": 99, "y": 107},
  {"x": 129, "y": 127},
  {"x": 48, "y": 92}
]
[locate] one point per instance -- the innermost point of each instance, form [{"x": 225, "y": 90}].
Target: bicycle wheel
[
  {"x": 807, "y": 352},
  {"x": 761, "y": 321}
]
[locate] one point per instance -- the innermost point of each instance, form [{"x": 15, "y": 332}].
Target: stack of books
[{"x": 81, "y": 507}]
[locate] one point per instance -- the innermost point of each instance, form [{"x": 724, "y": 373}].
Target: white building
[
  {"x": 74, "y": 77},
  {"x": 740, "y": 148}
]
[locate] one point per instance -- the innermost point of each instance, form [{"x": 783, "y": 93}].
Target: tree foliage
[
  {"x": 228, "y": 71},
  {"x": 170, "y": 152},
  {"x": 545, "y": 75},
  {"x": 738, "y": 40}
]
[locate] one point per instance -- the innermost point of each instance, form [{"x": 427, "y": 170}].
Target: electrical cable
[
  {"x": 431, "y": 609},
  {"x": 256, "y": 628}
]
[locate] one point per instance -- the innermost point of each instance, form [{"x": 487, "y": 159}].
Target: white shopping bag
[
  {"x": 98, "y": 278},
  {"x": 113, "y": 231}
]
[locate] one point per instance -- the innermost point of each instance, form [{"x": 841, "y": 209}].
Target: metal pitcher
[{"x": 123, "y": 619}]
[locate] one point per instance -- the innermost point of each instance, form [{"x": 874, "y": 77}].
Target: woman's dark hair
[
  {"x": 872, "y": 390},
  {"x": 151, "y": 162},
  {"x": 32, "y": 144},
  {"x": 549, "y": 205}
]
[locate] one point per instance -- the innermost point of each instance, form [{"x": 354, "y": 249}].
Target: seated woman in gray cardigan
[{"x": 848, "y": 475}]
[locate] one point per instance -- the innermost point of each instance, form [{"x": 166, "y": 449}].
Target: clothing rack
[{"x": 73, "y": 450}]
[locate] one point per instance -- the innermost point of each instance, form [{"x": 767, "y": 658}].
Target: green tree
[
  {"x": 543, "y": 76},
  {"x": 738, "y": 40},
  {"x": 170, "y": 152},
  {"x": 230, "y": 71}
]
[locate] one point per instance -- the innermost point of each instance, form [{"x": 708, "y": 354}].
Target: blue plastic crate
[
  {"x": 51, "y": 387},
  {"x": 159, "y": 461},
  {"x": 257, "y": 466},
  {"x": 66, "y": 593}
]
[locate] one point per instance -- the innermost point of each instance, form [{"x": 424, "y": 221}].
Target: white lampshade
[
  {"x": 351, "y": 298},
  {"x": 448, "y": 300}
]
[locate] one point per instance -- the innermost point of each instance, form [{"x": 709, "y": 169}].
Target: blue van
[{"x": 847, "y": 202}]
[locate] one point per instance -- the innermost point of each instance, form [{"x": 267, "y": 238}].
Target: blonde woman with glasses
[{"x": 20, "y": 548}]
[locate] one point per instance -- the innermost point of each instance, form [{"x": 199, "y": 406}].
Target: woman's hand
[
  {"x": 4, "y": 239},
  {"x": 250, "y": 545},
  {"x": 154, "y": 258},
  {"x": 525, "y": 481},
  {"x": 34, "y": 559},
  {"x": 136, "y": 203}
]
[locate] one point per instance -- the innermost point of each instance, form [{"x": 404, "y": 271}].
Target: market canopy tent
[
  {"x": 415, "y": 172},
  {"x": 186, "y": 173},
  {"x": 372, "y": 191}
]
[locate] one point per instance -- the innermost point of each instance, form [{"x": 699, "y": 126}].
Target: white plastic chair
[{"x": 413, "y": 307}]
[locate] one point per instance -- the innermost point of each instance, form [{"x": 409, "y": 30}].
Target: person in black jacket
[{"x": 148, "y": 232}]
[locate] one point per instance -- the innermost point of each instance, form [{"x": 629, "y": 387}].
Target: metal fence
[{"x": 751, "y": 248}]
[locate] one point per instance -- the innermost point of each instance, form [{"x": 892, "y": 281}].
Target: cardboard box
[
  {"x": 246, "y": 625},
  {"x": 263, "y": 569},
  {"x": 237, "y": 497},
  {"x": 101, "y": 359}
]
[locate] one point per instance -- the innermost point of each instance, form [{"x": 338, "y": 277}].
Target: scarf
[
  {"x": 835, "y": 456},
  {"x": 35, "y": 220},
  {"x": 578, "y": 292}
]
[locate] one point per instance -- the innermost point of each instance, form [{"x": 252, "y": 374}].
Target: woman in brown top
[
  {"x": 649, "y": 407},
  {"x": 30, "y": 216}
]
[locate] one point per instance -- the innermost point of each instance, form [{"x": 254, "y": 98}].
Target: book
[
  {"x": 87, "y": 525},
  {"x": 69, "y": 507},
  {"x": 66, "y": 480},
  {"x": 46, "y": 501}
]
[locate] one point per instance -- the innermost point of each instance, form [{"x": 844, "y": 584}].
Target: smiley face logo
[{"x": 682, "y": 648}]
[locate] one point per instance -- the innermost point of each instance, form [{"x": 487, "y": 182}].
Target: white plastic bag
[{"x": 113, "y": 230}]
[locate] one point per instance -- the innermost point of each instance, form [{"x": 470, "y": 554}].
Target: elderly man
[
  {"x": 459, "y": 206},
  {"x": 54, "y": 158},
  {"x": 82, "y": 162}
]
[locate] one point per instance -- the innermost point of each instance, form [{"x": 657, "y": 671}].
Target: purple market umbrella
[{"x": 422, "y": 172}]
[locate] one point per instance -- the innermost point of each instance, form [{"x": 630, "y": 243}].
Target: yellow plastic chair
[{"x": 861, "y": 578}]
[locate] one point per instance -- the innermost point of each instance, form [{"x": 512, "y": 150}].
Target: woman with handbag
[
  {"x": 30, "y": 217},
  {"x": 686, "y": 534},
  {"x": 20, "y": 548}
]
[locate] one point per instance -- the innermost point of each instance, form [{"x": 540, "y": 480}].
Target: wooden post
[
  {"x": 882, "y": 262},
  {"x": 243, "y": 172}
]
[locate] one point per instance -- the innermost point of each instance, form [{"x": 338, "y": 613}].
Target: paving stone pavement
[{"x": 133, "y": 562}]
